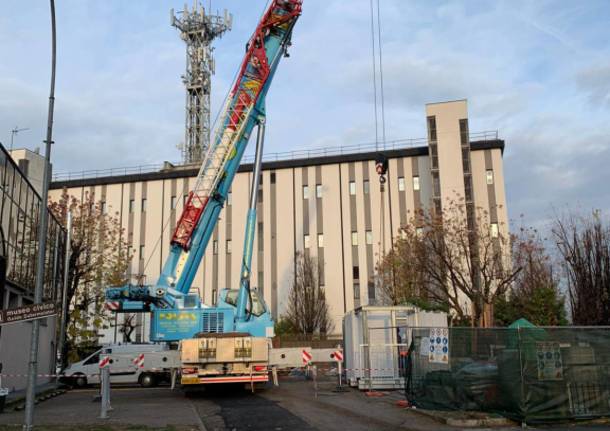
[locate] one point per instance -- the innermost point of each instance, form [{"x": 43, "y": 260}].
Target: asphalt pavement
[{"x": 294, "y": 405}]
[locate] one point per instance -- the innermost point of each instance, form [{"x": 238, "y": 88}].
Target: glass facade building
[{"x": 19, "y": 221}]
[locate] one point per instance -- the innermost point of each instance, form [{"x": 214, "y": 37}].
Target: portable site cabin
[{"x": 376, "y": 341}]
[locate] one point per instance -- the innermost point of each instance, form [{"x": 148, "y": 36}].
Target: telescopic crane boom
[{"x": 176, "y": 314}]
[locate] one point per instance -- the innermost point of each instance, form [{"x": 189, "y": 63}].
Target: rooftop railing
[{"x": 398, "y": 144}]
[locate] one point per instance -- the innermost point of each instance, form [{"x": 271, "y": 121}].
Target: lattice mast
[{"x": 198, "y": 28}]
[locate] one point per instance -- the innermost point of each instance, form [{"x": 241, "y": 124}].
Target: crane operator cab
[{"x": 259, "y": 322}]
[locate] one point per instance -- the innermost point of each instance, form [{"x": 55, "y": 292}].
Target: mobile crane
[{"x": 228, "y": 342}]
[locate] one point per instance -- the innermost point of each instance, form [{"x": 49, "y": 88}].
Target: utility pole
[
  {"x": 14, "y": 132},
  {"x": 42, "y": 240},
  {"x": 198, "y": 28}
]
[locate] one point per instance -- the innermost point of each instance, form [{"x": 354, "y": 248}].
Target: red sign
[
  {"x": 338, "y": 355},
  {"x": 306, "y": 357}
]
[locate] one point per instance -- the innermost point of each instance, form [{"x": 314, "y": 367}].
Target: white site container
[{"x": 374, "y": 338}]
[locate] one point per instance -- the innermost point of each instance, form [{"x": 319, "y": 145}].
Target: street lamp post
[{"x": 42, "y": 240}]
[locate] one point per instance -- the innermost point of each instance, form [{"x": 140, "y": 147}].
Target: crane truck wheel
[{"x": 147, "y": 380}]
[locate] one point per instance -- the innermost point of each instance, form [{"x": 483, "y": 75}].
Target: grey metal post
[
  {"x": 315, "y": 379},
  {"x": 42, "y": 240},
  {"x": 64, "y": 294},
  {"x": 105, "y": 383}
]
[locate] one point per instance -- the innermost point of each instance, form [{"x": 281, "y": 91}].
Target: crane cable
[
  {"x": 374, "y": 75},
  {"x": 378, "y": 44}
]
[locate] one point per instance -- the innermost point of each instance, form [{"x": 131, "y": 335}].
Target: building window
[
  {"x": 356, "y": 291},
  {"x": 318, "y": 191},
  {"x": 142, "y": 252},
  {"x": 366, "y": 186},
  {"x": 229, "y": 198},
  {"x": 261, "y": 238},
  {"x": 354, "y": 238},
  {"x": 143, "y": 205},
  {"x": 494, "y": 230},
  {"x": 306, "y": 241},
  {"x": 214, "y": 296},
  {"x": 415, "y": 182},
  {"x": 369, "y": 237},
  {"x": 103, "y": 207},
  {"x": 215, "y": 247},
  {"x": 352, "y": 188},
  {"x": 272, "y": 179},
  {"x": 305, "y": 192},
  {"x": 371, "y": 286},
  {"x": 173, "y": 202},
  {"x": 401, "y": 184},
  {"x": 229, "y": 247},
  {"x": 320, "y": 240},
  {"x": 132, "y": 203},
  {"x": 355, "y": 272},
  {"x": 489, "y": 175},
  {"x": 432, "y": 128}
]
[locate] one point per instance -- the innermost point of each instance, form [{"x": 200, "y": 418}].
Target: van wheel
[
  {"x": 148, "y": 381},
  {"x": 80, "y": 381}
]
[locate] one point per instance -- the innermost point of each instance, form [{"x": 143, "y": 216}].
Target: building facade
[
  {"x": 19, "y": 214},
  {"x": 329, "y": 204}
]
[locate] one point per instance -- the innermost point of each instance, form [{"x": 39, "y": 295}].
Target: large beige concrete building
[{"x": 327, "y": 202}]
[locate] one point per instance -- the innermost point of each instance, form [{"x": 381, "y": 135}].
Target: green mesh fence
[{"x": 526, "y": 374}]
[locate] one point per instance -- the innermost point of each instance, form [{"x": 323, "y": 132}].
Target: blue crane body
[{"x": 176, "y": 314}]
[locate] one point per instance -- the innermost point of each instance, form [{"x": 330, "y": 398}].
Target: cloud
[
  {"x": 537, "y": 72},
  {"x": 594, "y": 81}
]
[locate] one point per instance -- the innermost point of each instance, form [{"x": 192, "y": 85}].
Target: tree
[
  {"x": 307, "y": 311},
  {"x": 584, "y": 245},
  {"x": 99, "y": 258},
  {"x": 400, "y": 275},
  {"x": 454, "y": 261},
  {"x": 466, "y": 260},
  {"x": 535, "y": 292},
  {"x": 127, "y": 327}
]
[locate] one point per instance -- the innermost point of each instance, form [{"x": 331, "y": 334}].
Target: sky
[{"x": 537, "y": 72}]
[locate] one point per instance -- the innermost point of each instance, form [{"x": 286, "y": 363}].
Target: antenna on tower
[{"x": 198, "y": 28}]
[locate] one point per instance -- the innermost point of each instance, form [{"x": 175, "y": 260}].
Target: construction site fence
[
  {"x": 531, "y": 375},
  {"x": 315, "y": 342}
]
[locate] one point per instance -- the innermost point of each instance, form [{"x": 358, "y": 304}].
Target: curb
[
  {"x": 18, "y": 404},
  {"x": 465, "y": 422}
]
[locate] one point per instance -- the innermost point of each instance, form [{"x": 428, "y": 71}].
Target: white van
[{"x": 158, "y": 362}]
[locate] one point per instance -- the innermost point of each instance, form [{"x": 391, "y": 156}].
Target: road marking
[{"x": 200, "y": 422}]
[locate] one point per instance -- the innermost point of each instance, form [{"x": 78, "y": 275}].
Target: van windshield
[{"x": 93, "y": 359}]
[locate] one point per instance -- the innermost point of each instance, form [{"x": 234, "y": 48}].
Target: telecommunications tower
[{"x": 198, "y": 28}]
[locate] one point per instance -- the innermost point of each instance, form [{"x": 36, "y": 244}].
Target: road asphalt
[{"x": 294, "y": 405}]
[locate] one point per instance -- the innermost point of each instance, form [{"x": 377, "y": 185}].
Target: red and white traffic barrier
[
  {"x": 104, "y": 362},
  {"x": 138, "y": 361},
  {"x": 113, "y": 305},
  {"x": 307, "y": 357}
]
